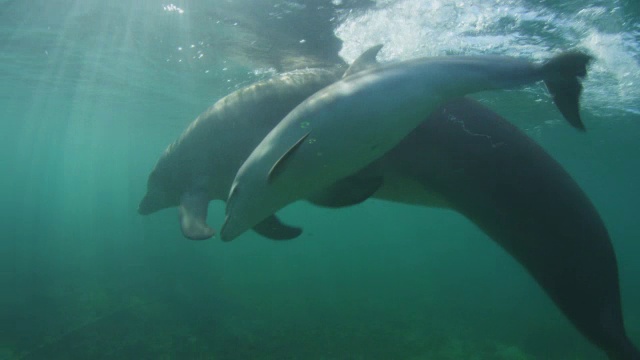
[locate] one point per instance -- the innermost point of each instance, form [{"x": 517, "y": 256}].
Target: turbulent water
[{"x": 92, "y": 92}]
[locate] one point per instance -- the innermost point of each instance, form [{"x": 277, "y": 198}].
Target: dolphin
[
  {"x": 351, "y": 123},
  {"x": 201, "y": 164},
  {"x": 468, "y": 158},
  {"x": 464, "y": 157}
]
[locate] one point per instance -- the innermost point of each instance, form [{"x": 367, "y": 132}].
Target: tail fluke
[
  {"x": 627, "y": 352},
  {"x": 562, "y": 76}
]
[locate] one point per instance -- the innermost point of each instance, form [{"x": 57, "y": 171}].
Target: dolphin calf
[
  {"x": 352, "y": 122},
  {"x": 467, "y": 158},
  {"x": 201, "y": 164}
]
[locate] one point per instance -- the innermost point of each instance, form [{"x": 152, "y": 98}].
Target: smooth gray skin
[
  {"x": 352, "y": 122},
  {"x": 201, "y": 164},
  {"x": 466, "y": 157}
]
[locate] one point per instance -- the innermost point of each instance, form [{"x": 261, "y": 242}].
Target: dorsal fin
[
  {"x": 365, "y": 61},
  {"x": 278, "y": 166}
]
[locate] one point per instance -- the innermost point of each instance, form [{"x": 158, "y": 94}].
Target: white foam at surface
[{"x": 414, "y": 28}]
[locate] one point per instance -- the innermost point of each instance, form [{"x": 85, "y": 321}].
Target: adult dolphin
[
  {"x": 201, "y": 164},
  {"x": 468, "y": 158},
  {"x": 352, "y": 122}
]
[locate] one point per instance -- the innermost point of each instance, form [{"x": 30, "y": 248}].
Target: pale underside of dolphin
[{"x": 351, "y": 123}]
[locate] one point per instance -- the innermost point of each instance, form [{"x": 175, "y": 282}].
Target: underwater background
[{"x": 92, "y": 92}]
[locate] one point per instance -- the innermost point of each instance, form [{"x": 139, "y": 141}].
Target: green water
[{"x": 91, "y": 93}]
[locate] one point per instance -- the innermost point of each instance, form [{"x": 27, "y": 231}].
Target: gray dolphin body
[
  {"x": 468, "y": 158},
  {"x": 351, "y": 123},
  {"x": 201, "y": 164}
]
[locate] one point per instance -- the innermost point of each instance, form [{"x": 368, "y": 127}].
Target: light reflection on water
[{"x": 508, "y": 27}]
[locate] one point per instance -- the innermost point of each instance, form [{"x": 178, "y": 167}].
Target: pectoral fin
[
  {"x": 347, "y": 192},
  {"x": 193, "y": 215},
  {"x": 281, "y": 163},
  {"x": 274, "y": 229}
]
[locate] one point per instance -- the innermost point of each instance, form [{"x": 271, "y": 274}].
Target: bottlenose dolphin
[
  {"x": 352, "y": 122},
  {"x": 201, "y": 164},
  {"x": 468, "y": 158},
  {"x": 463, "y": 156}
]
